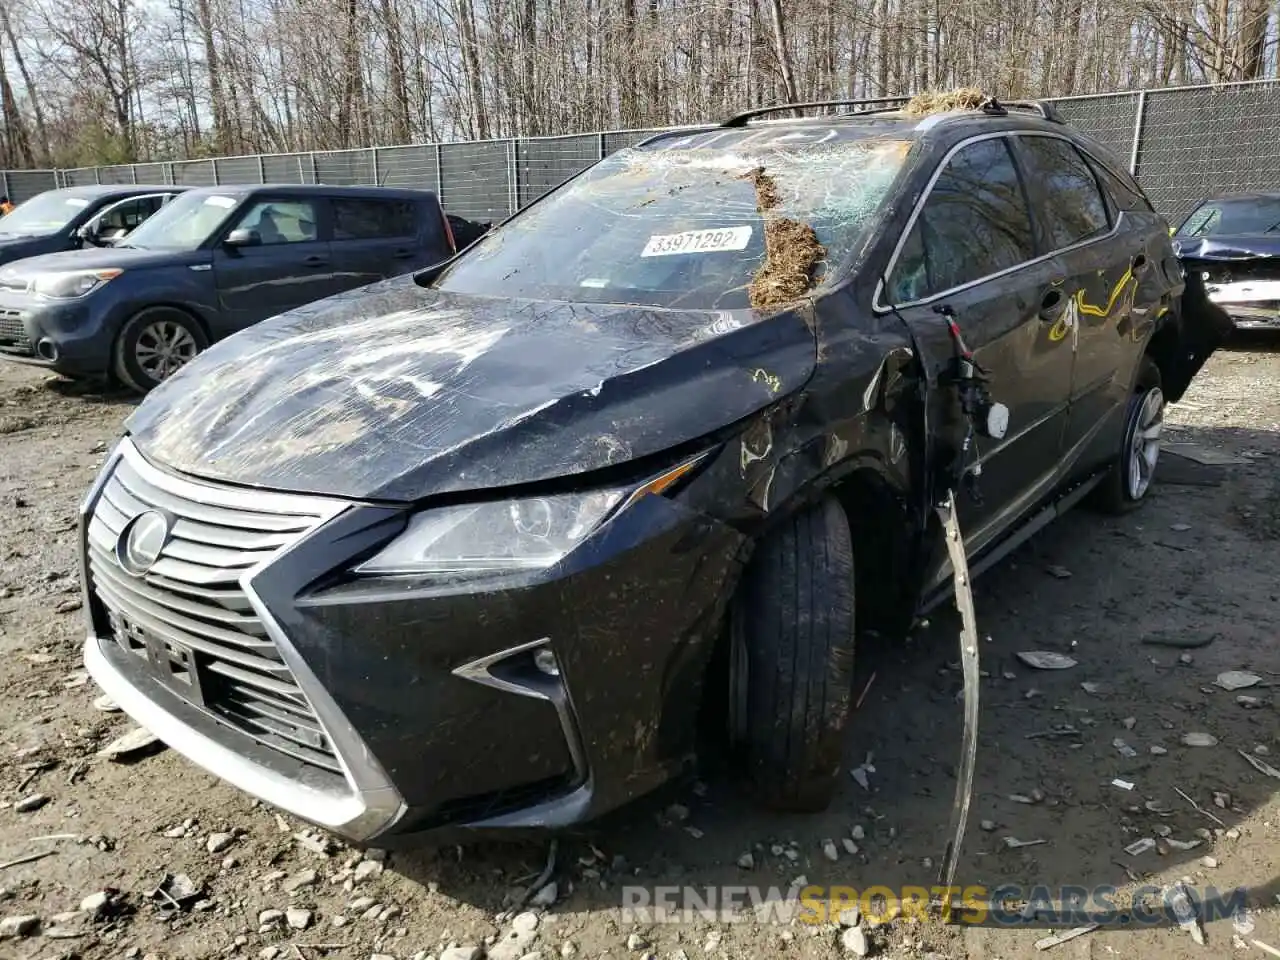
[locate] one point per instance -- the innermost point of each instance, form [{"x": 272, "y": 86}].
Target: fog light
[{"x": 545, "y": 660}]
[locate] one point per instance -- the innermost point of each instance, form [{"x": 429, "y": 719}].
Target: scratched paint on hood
[{"x": 397, "y": 392}]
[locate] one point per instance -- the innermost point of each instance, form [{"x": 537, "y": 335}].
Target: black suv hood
[{"x": 396, "y": 392}]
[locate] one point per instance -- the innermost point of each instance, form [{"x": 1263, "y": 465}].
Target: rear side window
[
  {"x": 975, "y": 223},
  {"x": 129, "y": 214},
  {"x": 1074, "y": 208},
  {"x": 373, "y": 219}
]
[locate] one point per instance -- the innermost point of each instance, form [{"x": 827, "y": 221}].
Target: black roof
[
  {"x": 312, "y": 189},
  {"x": 890, "y": 124}
]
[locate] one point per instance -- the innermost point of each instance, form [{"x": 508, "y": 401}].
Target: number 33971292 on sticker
[{"x": 697, "y": 241}]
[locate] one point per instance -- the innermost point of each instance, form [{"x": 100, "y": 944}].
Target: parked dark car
[
  {"x": 214, "y": 261},
  {"x": 1234, "y": 242},
  {"x": 71, "y": 217},
  {"x": 477, "y": 549}
]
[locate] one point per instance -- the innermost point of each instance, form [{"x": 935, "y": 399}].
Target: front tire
[
  {"x": 1129, "y": 480},
  {"x": 154, "y": 344},
  {"x": 791, "y": 660}
]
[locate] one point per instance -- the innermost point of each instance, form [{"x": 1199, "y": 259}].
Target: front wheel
[
  {"x": 1130, "y": 477},
  {"x": 154, "y": 344},
  {"x": 791, "y": 660}
]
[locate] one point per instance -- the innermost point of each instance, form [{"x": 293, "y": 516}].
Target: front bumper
[
  {"x": 401, "y": 709},
  {"x": 73, "y": 337},
  {"x": 1251, "y": 304},
  {"x": 1253, "y": 317}
]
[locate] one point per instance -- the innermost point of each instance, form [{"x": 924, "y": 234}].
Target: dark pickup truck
[{"x": 214, "y": 261}]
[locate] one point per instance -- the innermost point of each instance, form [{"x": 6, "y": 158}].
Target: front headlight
[
  {"x": 486, "y": 538},
  {"x": 510, "y": 536},
  {"x": 71, "y": 284}
]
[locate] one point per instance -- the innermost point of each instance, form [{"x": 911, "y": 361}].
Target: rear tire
[
  {"x": 791, "y": 660},
  {"x": 154, "y": 344},
  {"x": 1129, "y": 480}
]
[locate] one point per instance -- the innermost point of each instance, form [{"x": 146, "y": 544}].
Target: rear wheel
[
  {"x": 1130, "y": 477},
  {"x": 791, "y": 660},
  {"x": 154, "y": 344}
]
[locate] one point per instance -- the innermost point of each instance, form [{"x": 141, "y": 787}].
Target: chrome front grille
[
  {"x": 12, "y": 332},
  {"x": 187, "y": 619}
]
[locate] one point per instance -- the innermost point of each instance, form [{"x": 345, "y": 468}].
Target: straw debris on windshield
[{"x": 791, "y": 249}]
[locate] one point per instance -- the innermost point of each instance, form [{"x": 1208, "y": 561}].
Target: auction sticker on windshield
[
  {"x": 225, "y": 202},
  {"x": 697, "y": 241}
]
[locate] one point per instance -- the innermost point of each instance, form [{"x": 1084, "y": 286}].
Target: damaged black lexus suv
[{"x": 468, "y": 550}]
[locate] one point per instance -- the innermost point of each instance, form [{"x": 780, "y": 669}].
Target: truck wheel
[
  {"x": 154, "y": 344},
  {"x": 1129, "y": 479},
  {"x": 791, "y": 660}
]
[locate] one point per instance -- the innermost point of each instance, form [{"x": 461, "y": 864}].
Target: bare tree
[{"x": 105, "y": 80}]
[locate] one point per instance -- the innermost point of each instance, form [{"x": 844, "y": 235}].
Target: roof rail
[
  {"x": 740, "y": 120},
  {"x": 1044, "y": 108}
]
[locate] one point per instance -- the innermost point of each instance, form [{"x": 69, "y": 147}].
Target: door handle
[
  {"x": 1052, "y": 304},
  {"x": 316, "y": 261}
]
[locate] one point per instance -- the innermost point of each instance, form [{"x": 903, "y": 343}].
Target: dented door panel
[{"x": 1029, "y": 371}]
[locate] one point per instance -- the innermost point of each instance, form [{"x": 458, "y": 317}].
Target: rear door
[
  {"x": 375, "y": 238},
  {"x": 288, "y": 264},
  {"x": 1102, "y": 259},
  {"x": 972, "y": 247}
]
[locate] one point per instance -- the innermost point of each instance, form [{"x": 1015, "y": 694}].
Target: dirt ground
[{"x": 1199, "y": 563}]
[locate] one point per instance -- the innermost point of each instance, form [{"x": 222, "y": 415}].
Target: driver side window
[
  {"x": 280, "y": 221},
  {"x": 124, "y": 216},
  {"x": 975, "y": 223}
]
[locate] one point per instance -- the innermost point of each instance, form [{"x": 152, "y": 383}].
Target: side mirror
[
  {"x": 242, "y": 238},
  {"x": 88, "y": 233}
]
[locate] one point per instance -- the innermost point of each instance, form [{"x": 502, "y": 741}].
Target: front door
[
  {"x": 287, "y": 265},
  {"x": 973, "y": 248}
]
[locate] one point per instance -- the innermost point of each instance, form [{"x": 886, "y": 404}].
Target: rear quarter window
[
  {"x": 1124, "y": 193},
  {"x": 367, "y": 219}
]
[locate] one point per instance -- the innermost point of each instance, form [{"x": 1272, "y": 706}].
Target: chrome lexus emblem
[{"x": 141, "y": 542}]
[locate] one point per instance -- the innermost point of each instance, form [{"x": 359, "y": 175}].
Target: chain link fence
[{"x": 1183, "y": 143}]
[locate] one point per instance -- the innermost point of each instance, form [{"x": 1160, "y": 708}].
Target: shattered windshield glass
[
  {"x": 1251, "y": 216},
  {"x": 703, "y": 227}
]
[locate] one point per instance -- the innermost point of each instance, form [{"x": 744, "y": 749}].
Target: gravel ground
[{"x": 1198, "y": 563}]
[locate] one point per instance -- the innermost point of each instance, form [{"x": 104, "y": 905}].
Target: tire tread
[{"x": 795, "y": 613}]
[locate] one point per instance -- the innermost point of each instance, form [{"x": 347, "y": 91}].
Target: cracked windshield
[{"x": 701, "y": 228}]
